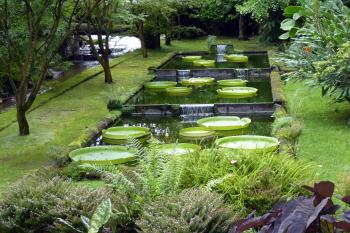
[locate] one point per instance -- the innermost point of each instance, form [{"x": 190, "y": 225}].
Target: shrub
[
  {"x": 189, "y": 32},
  {"x": 288, "y": 129},
  {"x": 194, "y": 210},
  {"x": 345, "y": 184},
  {"x": 249, "y": 182},
  {"x": 37, "y": 202},
  {"x": 114, "y": 104}
]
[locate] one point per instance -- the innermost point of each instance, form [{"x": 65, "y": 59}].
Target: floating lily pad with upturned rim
[
  {"x": 224, "y": 122},
  {"x": 249, "y": 143},
  {"x": 191, "y": 58},
  {"x": 237, "y": 92},
  {"x": 206, "y": 63},
  {"x": 103, "y": 155},
  {"x": 197, "y": 132},
  {"x": 179, "y": 91},
  {"x": 117, "y": 135},
  {"x": 232, "y": 83},
  {"x": 236, "y": 58},
  {"x": 178, "y": 148},
  {"x": 159, "y": 85},
  {"x": 198, "y": 81}
]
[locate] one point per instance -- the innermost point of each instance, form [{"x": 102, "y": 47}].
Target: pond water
[
  {"x": 166, "y": 129},
  {"x": 259, "y": 60},
  {"x": 202, "y": 95}
]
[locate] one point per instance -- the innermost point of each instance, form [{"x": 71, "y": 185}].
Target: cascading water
[
  {"x": 221, "y": 48},
  {"x": 220, "y": 53},
  {"x": 183, "y": 74},
  {"x": 190, "y": 113},
  {"x": 242, "y": 73}
]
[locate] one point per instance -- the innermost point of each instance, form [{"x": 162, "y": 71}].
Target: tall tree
[
  {"x": 32, "y": 33},
  {"x": 102, "y": 22}
]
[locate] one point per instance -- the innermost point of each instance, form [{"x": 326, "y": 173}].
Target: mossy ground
[{"x": 60, "y": 119}]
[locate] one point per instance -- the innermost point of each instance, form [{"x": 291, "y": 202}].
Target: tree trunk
[
  {"x": 108, "y": 73},
  {"x": 142, "y": 39},
  {"x": 241, "y": 28},
  {"x": 167, "y": 40},
  {"x": 22, "y": 122}
]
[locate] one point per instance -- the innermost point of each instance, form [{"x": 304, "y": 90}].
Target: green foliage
[
  {"x": 101, "y": 216},
  {"x": 288, "y": 130},
  {"x": 211, "y": 40},
  {"x": 218, "y": 11},
  {"x": 39, "y": 202},
  {"x": 249, "y": 182},
  {"x": 114, "y": 104},
  {"x": 345, "y": 183},
  {"x": 320, "y": 50},
  {"x": 193, "y": 210},
  {"x": 183, "y": 32},
  {"x": 260, "y": 10}
]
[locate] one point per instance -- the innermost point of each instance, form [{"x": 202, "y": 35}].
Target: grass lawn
[
  {"x": 58, "y": 119},
  {"x": 326, "y": 136}
]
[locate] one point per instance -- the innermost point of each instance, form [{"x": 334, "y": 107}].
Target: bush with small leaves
[
  {"x": 193, "y": 210},
  {"x": 42, "y": 202}
]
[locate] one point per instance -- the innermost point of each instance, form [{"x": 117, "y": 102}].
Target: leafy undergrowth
[{"x": 315, "y": 214}]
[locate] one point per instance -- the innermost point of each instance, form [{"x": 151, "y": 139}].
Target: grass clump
[
  {"x": 193, "y": 210},
  {"x": 248, "y": 182},
  {"x": 288, "y": 130}
]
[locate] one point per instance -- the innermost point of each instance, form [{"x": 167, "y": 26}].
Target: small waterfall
[
  {"x": 242, "y": 73},
  {"x": 183, "y": 74},
  {"x": 220, "y": 52},
  {"x": 221, "y": 48},
  {"x": 220, "y": 58},
  {"x": 190, "y": 113}
]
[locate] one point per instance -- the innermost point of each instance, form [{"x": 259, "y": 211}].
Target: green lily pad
[
  {"x": 249, "y": 143},
  {"x": 159, "y": 85},
  {"x": 197, "y": 81},
  {"x": 191, "y": 58},
  {"x": 224, "y": 122},
  {"x": 179, "y": 91},
  {"x": 197, "y": 132},
  {"x": 103, "y": 155},
  {"x": 232, "y": 83},
  {"x": 206, "y": 63},
  {"x": 118, "y": 135},
  {"x": 178, "y": 148},
  {"x": 237, "y": 92},
  {"x": 236, "y": 58}
]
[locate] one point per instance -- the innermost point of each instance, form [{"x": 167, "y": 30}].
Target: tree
[
  {"x": 157, "y": 20},
  {"x": 32, "y": 33},
  {"x": 102, "y": 21}
]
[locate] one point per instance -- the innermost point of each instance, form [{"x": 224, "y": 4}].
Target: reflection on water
[
  {"x": 166, "y": 129},
  {"x": 202, "y": 95}
]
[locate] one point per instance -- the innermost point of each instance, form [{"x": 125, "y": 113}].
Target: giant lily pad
[
  {"x": 232, "y": 83},
  {"x": 249, "y": 143},
  {"x": 159, "y": 85},
  {"x": 191, "y": 58},
  {"x": 236, "y": 58},
  {"x": 224, "y": 122},
  {"x": 237, "y": 92},
  {"x": 118, "y": 135},
  {"x": 178, "y": 148},
  {"x": 103, "y": 155},
  {"x": 197, "y": 81},
  {"x": 197, "y": 133},
  {"x": 179, "y": 91},
  {"x": 206, "y": 63}
]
